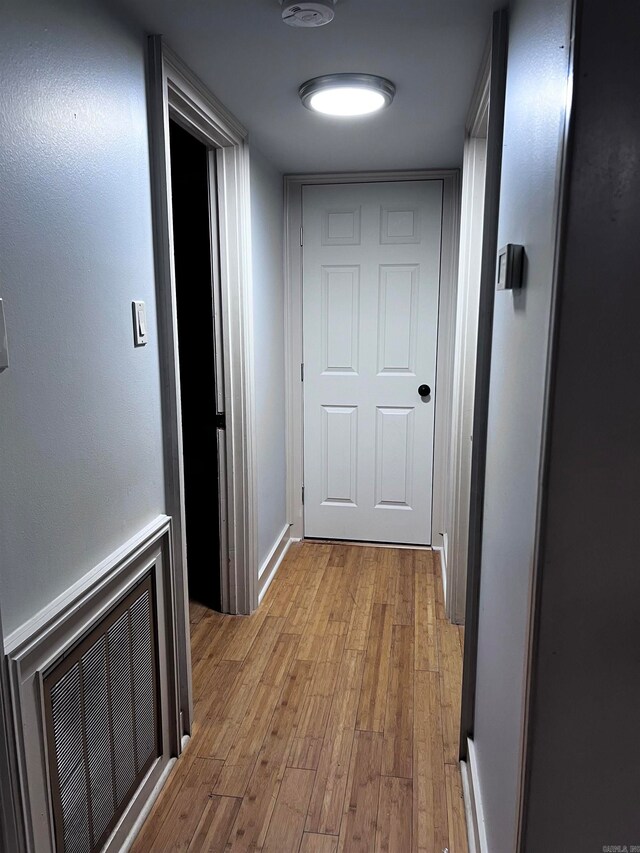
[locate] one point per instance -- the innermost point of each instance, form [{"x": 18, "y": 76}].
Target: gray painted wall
[
  {"x": 81, "y": 467},
  {"x": 585, "y": 751},
  {"x": 267, "y": 227},
  {"x": 535, "y": 114},
  {"x": 80, "y": 433}
]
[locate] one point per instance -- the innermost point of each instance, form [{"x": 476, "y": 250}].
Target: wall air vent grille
[{"x": 102, "y": 720}]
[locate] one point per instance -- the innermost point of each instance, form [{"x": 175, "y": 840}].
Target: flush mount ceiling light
[{"x": 347, "y": 94}]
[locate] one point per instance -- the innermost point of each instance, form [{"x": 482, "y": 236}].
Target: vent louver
[{"x": 102, "y": 719}]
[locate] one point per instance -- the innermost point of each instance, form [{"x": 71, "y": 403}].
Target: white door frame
[
  {"x": 175, "y": 92},
  {"x": 474, "y": 172},
  {"x": 293, "y": 331}
]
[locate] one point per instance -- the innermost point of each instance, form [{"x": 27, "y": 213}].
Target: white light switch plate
[
  {"x": 140, "y": 333},
  {"x": 4, "y": 347}
]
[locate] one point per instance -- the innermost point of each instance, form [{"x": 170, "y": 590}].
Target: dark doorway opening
[{"x": 195, "y": 253}]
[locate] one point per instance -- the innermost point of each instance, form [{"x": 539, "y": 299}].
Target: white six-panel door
[{"x": 371, "y": 276}]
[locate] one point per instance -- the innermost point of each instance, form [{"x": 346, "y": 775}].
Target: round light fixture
[{"x": 347, "y": 94}]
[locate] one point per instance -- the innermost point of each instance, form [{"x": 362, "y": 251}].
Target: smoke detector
[{"x": 307, "y": 14}]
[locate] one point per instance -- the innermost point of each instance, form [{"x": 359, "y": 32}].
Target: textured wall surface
[
  {"x": 534, "y": 119},
  {"x": 267, "y": 225},
  {"x": 81, "y": 465}
]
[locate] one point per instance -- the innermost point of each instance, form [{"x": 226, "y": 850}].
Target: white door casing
[
  {"x": 371, "y": 276},
  {"x": 472, "y": 226},
  {"x": 174, "y": 91}
]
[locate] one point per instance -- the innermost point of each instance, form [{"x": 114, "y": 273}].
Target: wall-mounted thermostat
[
  {"x": 140, "y": 334},
  {"x": 509, "y": 276}
]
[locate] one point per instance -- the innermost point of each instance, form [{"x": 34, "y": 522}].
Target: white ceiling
[{"x": 254, "y": 63}]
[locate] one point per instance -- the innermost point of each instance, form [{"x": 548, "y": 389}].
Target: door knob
[{"x": 424, "y": 390}]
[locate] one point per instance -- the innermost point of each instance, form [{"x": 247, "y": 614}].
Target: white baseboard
[
  {"x": 270, "y": 566},
  {"x": 476, "y": 830},
  {"x": 443, "y": 567},
  {"x": 359, "y": 543},
  {"x": 473, "y": 842},
  {"x": 144, "y": 812}
]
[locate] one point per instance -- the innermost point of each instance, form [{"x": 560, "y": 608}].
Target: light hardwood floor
[{"x": 328, "y": 720}]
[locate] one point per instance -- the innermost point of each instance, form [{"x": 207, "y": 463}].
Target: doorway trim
[
  {"x": 498, "y": 50},
  {"x": 293, "y": 185},
  {"x": 177, "y": 93},
  {"x": 474, "y": 181},
  {"x": 12, "y": 829}
]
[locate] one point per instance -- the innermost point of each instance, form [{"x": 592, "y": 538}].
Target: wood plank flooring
[{"x": 327, "y": 722}]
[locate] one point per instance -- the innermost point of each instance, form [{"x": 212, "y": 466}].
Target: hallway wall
[
  {"x": 81, "y": 465},
  {"x": 584, "y": 750},
  {"x": 536, "y": 96},
  {"x": 81, "y": 461},
  {"x": 267, "y": 228}
]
